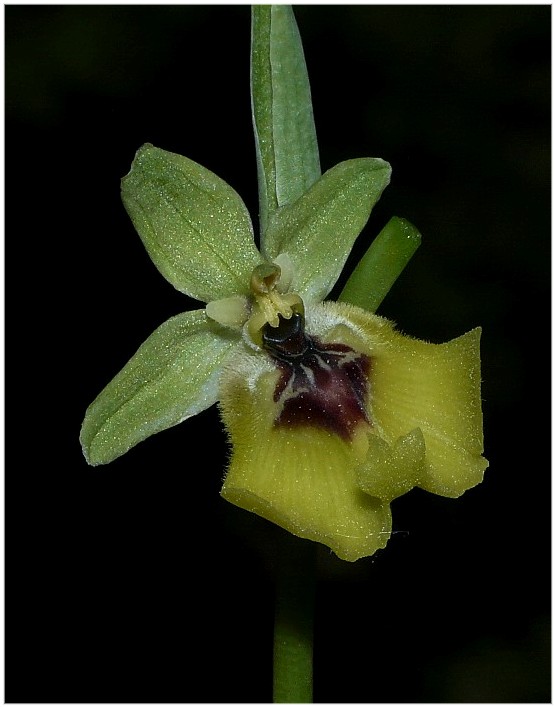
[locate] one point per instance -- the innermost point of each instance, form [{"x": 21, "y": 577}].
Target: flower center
[
  {"x": 324, "y": 385},
  {"x": 268, "y": 300},
  {"x": 269, "y": 303}
]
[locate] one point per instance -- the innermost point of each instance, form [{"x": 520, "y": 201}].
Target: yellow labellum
[
  {"x": 434, "y": 388},
  {"x": 303, "y": 478},
  {"x": 422, "y": 427}
]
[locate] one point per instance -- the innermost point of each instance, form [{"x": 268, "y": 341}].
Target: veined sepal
[
  {"x": 195, "y": 227},
  {"x": 172, "y": 376},
  {"x": 318, "y": 230}
]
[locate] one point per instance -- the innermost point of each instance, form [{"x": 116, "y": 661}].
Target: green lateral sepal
[
  {"x": 172, "y": 376},
  {"x": 318, "y": 231}
]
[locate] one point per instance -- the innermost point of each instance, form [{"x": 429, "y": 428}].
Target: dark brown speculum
[{"x": 321, "y": 384}]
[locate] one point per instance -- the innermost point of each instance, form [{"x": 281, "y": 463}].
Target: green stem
[{"x": 293, "y": 628}]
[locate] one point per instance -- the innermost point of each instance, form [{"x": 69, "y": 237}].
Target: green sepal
[
  {"x": 285, "y": 134},
  {"x": 381, "y": 265},
  {"x": 172, "y": 376},
  {"x": 195, "y": 227},
  {"x": 318, "y": 231}
]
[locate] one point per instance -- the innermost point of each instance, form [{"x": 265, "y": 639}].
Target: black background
[{"x": 126, "y": 583}]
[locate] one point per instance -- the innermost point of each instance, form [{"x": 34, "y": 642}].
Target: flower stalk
[{"x": 294, "y": 624}]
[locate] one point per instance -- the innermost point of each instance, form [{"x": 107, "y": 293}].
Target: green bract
[{"x": 287, "y": 149}]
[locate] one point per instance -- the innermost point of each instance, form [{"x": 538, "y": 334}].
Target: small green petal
[
  {"x": 195, "y": 227},
  {"x": 318, "y": 230},
  {"x": 230, "y": 312},
  {"x": 302, "y": 478},
  {"x": 172, "y": 376}
]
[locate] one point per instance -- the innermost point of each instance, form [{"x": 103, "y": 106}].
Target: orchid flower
[{"x": 331, "y": 413}]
